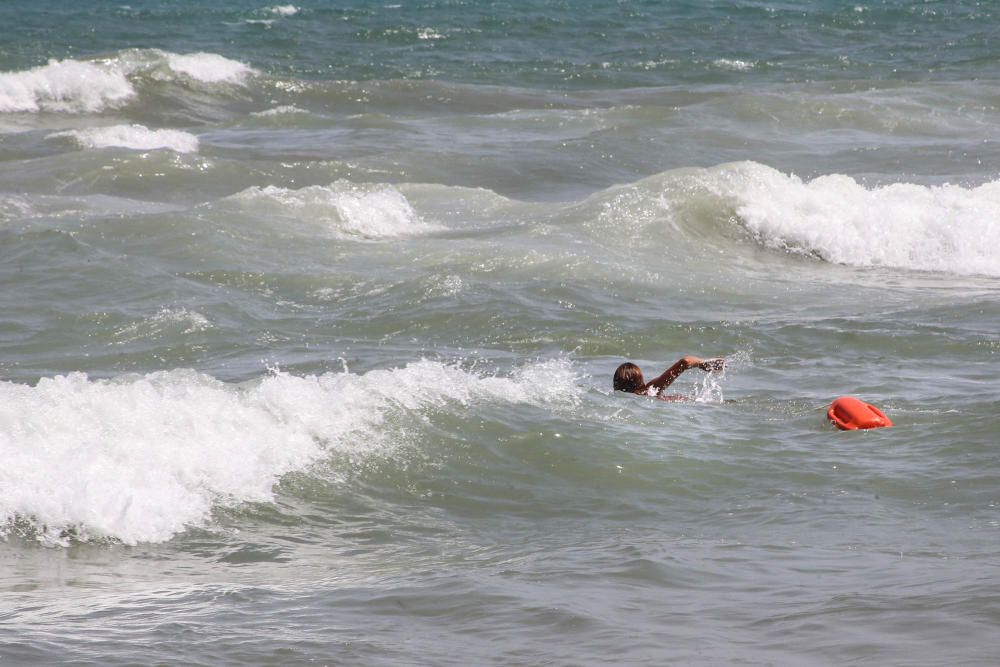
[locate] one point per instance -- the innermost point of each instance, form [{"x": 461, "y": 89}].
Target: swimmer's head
[{"x": 628, "y": 378}]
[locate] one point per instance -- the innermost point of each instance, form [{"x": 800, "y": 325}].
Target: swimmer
[{"x": 628, "y": 377}]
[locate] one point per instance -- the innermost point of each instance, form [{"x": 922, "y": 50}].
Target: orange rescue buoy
[{"x": 850, "y": 413}]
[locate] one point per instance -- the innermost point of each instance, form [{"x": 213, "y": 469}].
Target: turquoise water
[{"x": 310, "y": 314}]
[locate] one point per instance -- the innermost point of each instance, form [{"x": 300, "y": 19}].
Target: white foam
[
  {"x": 13, "y": 207},
  {"x": 65, "y": 86},
  {"x": 945, "y": 228},
  {"x": 142, "y": 458},
  {"x": 734, "y": 65},
  {"x": 284, "y": 109},
  {"x": 429, "y": 34},
  {"x": 351, "y": 210},
  {"x": 285, "y": 10},
  {"x": 137, "y": 137},
  {"x": 74, "y": 86},
  {"x": 208, "y": 67}
]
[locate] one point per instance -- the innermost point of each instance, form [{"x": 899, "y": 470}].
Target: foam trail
[
  {"x": 179, "y": 320},
  {"x": 141, "y": 458},
  {"x": 136, "y": 137},
  {"x": 26, "y": 207}
]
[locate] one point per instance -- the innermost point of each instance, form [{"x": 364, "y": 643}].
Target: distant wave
[
  {"x": 142, "y": 458},
  {"x": 90, "y": 86},
  {"x": 734, "y": 65},
  {"x": 136, "y": 137},
  {"x": 284, "y": 10}
]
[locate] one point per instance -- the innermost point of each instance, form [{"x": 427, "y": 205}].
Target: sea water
[{"x": 308, "y": 317}]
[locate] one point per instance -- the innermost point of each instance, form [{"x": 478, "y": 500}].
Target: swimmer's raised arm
[
  {"x": 629, "y": 378},
  {"x": 684, "y": 363}
]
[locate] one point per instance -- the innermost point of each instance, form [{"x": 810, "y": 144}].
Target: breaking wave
[
  {"x": 91, "y": 86},
  {"x": 946, "y": 228},
  {"x": 350, "y": 210},
  {"x": 136, "y": 137},
  {"x": 142, "y": 458}
]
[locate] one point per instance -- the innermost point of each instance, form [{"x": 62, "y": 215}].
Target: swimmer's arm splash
[{"x": 716, "y": 364}]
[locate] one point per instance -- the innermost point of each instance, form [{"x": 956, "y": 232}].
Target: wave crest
[
  {"x": 69, "y": 86},
  {"x": 142, "y": 458},
  {"x": 208, "y": 67},
  {"x": 136, "y": 137},
  {"x": 91, "y": 86},
  {"x": 945, "y": 228},
  {"x": 351, "y": 210}
]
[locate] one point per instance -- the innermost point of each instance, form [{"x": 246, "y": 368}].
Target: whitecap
[
  {"x": 429, "y": 34},
  {"x": 208, "y": 67},
  {"x": 143, "y": 458},
  {"x": 366, "y": 211},
  {"x": 136, "y": 137},
  {"x": 283, "y": 110},
  {"x": 734, "y": 65},
  {"x": 64, "y": 85},
  {"x": 947, "y": 228},
  {"x": 75, "y": 86}
]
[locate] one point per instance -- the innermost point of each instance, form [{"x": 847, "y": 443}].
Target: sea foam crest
[
  {"x": 945, "y": 228},
  {"x": 208, "y": 67},
  {"x": 282, "y": 110},
  {"x": 65, "y": 86},
  {"x": 137, "y": 137},
  {"x": 141, "y": 458},
  {"x": 371, "y": 211},
  {"x": 75, "y": 86}
]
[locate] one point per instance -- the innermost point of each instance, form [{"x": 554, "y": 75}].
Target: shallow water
[{"x": 310, "y": 315}]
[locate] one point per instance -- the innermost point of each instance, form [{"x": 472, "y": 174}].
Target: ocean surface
[{"x": 309, "y": 313}]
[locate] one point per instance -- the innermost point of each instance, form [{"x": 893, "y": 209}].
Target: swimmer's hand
[{"x": 716, "y": 364}]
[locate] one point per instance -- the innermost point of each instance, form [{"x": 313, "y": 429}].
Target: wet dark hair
[{"x": 628, "y": 378}]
